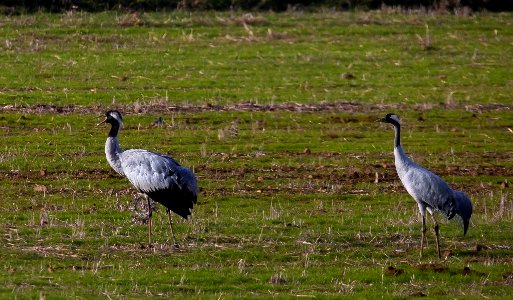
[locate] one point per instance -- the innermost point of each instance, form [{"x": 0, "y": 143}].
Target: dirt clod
[{"x": 392, "y": 271}]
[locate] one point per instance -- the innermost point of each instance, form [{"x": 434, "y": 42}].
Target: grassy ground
[{"x": 299, "y": 195}]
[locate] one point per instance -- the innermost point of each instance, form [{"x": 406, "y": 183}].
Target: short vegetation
[{"x": 275, "y": 113}]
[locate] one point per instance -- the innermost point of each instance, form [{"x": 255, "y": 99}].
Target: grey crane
[
  {"x": 158, "y": 176},
  {"x": 429, "y": 191}
]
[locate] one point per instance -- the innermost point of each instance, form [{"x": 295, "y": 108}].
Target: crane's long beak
[
  {"x": 381, "y": 120},
  {"x": 101, "y": 121}
]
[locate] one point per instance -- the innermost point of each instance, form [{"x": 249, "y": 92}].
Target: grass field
[{"x": 275, "y": 114}]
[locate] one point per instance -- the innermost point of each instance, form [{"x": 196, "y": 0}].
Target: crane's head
[
  {"x": 112, "y": 117},
  {"x": 463, "y": 208},
  {"x": 390, "y": 118}
]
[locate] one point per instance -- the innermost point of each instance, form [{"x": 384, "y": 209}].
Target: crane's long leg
[
  {"x": 149, "y": 219},
  {"x": 436, "y": 235},
  {"x": 422, "y": 210},
  {"x": 171, "y": 225},
  {"x": 423, "y": 237}
]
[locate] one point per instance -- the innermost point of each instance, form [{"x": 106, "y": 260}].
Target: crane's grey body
[
  {"x": 158, "y": 176},
  {"x": 429, "y": 191}
]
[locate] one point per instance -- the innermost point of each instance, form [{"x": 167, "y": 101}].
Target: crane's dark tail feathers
[
  {"x": 178, "y": 201},
  {"x": 181, "y": 195},
  {"x": 461, "y": 207}
]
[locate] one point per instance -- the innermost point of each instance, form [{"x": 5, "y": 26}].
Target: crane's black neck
[
  {"x": 114, "y": 129},
  {"x": 397, "y": 127}
]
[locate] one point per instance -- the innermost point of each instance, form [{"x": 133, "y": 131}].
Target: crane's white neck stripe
[
  {"x": 117, "y": 117},
  {"x": 395, "y": 118}
]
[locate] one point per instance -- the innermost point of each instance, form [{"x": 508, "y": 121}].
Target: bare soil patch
[{"x": 163, "y": 107}]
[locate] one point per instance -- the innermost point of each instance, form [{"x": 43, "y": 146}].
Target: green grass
[
  {"x": 210, "y": 57},
  {"x": 289, "y": 206}
]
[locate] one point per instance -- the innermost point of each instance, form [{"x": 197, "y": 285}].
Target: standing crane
[
  {"x": 429, "y": 191},
  {"x": 158, "y": 176}
]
